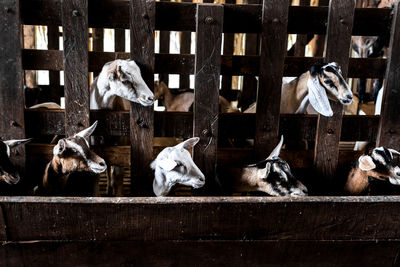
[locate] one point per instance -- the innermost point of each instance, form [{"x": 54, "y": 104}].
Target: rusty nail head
[
  {"x": 14, "y": 123},
  {"x": 209, "y": 20},
  {"x": 342, "y": 21},
  {"x": 275, "y": 20},
  {"x": 75, "y": 13},
  {"x": 330, "y": 131}
]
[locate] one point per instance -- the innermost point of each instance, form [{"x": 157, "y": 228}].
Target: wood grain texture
[
  {"x": 247, "y": 65},
  {"x": 119, "y": 40},
  {"x": 164, "y": 48},
  {"x": 76, "y": 76},
  {"x": 340, "y": 24},
  {"x": 207, "y": 80},
  {"x": 275, "y": 19},
  {"x": 238, "y": 18},
  {"x": 228, "y": 48},
  {"x": 203, "y": 253},
  {"x": 53, "y": 35},
  {"x": 12, "y": 122},
  {"x": 98, "y": 43},
  {"x": 389, "y": 129},
  {"x": 186, "y": 40},
  {"x": 141, "y": 121}
]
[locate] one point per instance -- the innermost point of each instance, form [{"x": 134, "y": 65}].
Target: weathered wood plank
[
  {"x": 203, "y": 253},
  {"x": 389, "y": 129},
  {"x": 184, "y": 64},
  {"x": 164, "y": 48},
  {"x": 222, "y": 218},
  {"x": 207, "y": 77},
  {"x": 275, "y": 19},
  {"x": 228, "y": 49},
  {"x": 238, "y": 18},
  {"x": 76, "y": 76},
  {"x": 12, "y": 122},
  {"x": 53, "y": 36},
  {"x": 141, "y": 121},
  {"x": 340, "y": 24},
  {"x": 186, "y": 38},
  {"x": 119, "y": 40},
  {"x": 98, "y": 43}
]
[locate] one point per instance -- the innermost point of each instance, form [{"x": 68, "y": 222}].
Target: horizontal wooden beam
[
  {"x": 237, "y": 18},
  {"x": 222, "y": 218},
  {"x": 179, "y": 124},
  {"x": 184, "y": 64}
]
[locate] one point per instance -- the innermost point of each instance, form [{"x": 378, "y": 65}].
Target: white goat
[
  {"x": 8, "y": 172},
  {"x": 272, "y": 176},
  {"x": 174, "y": 165},
  {"x": 314, "y": 87},
  {"x": 183, "y": 101}
]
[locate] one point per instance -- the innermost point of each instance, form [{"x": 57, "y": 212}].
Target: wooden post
[
  {"x": 164, "y": 48},
  {"x": 12, "y": 122},
  {"x": 98, "y": 43},
  {"x": 229, "y": 39},
  {"x": 29, "y": 43},
  {"x": 340, "y": 25},
  {"x": 76, "y": 75},
  {"x": 209, "y": 23},
  {"x": 53, "y": 37},
  {"x": 301, "y": 39},
  {"x": 184, "y": 80},
  {"x": 389, "y": 127},
  {"x": 318, "y": 43},
  {"x": 142, "y": 24},
  {"x": 249, "y": 90},
  {"x": 274, "y": 27},
  {"x": 119, "y": 40}
]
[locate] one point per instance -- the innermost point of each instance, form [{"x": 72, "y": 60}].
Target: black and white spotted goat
[
  {"x": 272, "y": 176},
  {"x": 8, "y": 172},
  {"x": 378, "y": 165}
]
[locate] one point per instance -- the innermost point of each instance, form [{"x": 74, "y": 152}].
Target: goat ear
[
  {"x": 14, "y": 143},
  {"x": 59, "y": 149},
  {"x": 393, "y": 151},
  {"x": 366, "y": 163},
  {"x": 277, "y": 149},
  {"x": 87, "y": 132},
  {"x": 188, "y": 144},
  {"x": 167, "y": 164},
  {"x": 264, "y": 173},
  {"x": 315, "y": 70},
  {"x": 318, "y": 97}
]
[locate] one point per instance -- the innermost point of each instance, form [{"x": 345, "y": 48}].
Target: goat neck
[
  {"x": 100, "y": 96},
  {"x": 293, "y": 94}
]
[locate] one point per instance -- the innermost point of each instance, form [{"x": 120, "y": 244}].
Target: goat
[
  {"x": 272, "y": 176},
  {"x": 184, "y": 101},
  {"x": 174, "y": 165},
  {"x": 314, "y": 87},
  {"x": 8, "y": 172},
  {"x": 376, "y": 166},
  {"x": 74, "y": 168},
  {"x": 119, "y": 81}
]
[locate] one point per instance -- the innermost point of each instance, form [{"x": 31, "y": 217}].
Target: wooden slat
[
  {"x": 328, "y": 129},
  {"x": 186, "y": 37},
  {"x": 141, "y": 121},
  {"x": 184, "y": 64},
  {"x": 76, "y": 78},
  {"x": 228, "y": 49},
  {"x": 206, "y": 218},
  {"x": 12, "y": 123},
  {"x": 301, "y": 39},
  {"x": 275, "y": 19},
  {"x": 98, "y": 43},
  {"x": 389, "y": 129},
  {"x": 164, "y": 48},
  {"x": 207, "y": 77},
  {"x": 218, "y": 253},
  {"x": 238, "y": 18},
  {"x": 119, "y": 40},
  {"x": 53, "y": 36}
]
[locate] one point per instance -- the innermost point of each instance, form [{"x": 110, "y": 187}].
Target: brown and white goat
[
  {"x": 119, "y": 83},
  {"x": 272, "y": 176},
  {"x": 376, "y": 166},
  {"x": 8, "y": 172},
  {"x": 184, "y": 101},
  {"x": 315, "y": 87},
  {"x": 74, "y": 168}
]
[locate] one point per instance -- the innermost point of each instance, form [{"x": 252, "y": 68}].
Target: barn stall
[{"x": 324, "y": 228}]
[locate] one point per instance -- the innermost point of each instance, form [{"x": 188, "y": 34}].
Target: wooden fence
[{"x": 133, "y": 225}]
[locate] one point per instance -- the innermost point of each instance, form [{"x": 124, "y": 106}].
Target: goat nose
[
  {"x": 102, "y": 163},
  {"x": 349, "y": 96},
  {"x": 397, "y": 173},
  {"x": 150, "y": 98}
]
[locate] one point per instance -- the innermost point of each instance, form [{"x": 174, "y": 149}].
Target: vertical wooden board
[
  {"x": 229, "y": 39},
  {"x": 142, "y": 25},
  {"x": 301, "y": 39},
  {"x": 164, "y": 48},
  {"x": 273, "y": 51},
  {"x": 340, "y": 25},
  {"x": 53, "y": 37},
  {"x": 184, "y": 80},
  {"x": 12, "y": 123},
  {"x": 29, "y": 43},
  {"x": 389, "y": 127},
  {"x": 209, "y": 22},
  {"x": 76, "y": 76},
  {"x": 98, "y": 42},
  {"x": 119, "y": 40},
  {"x": 249, "y": 89}
]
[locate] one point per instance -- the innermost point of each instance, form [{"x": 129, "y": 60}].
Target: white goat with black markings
[
  {"x": 174, "y": 165},
  {"x": 310, "y": 93},
  {"x": 8, "y": 172},
  {"x": 119, "y": 81},
  {"x": 272, "y": 176},
  {"x": 378, "y": 165}
]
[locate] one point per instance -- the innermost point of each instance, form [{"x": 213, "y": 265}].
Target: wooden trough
[{"x": 207, "y": 230}]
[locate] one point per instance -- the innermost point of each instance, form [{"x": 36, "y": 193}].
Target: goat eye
[
  {"x": 126, "y": 82},
  {"x": 329, "y": 82}
]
